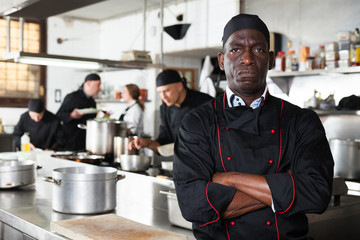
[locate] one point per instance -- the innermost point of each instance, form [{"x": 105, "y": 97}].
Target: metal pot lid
[
  {"x": 11, "y": 166},
  {"x": 88, "y": 173}
]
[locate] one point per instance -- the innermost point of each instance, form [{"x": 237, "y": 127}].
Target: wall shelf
[
  {"x": 284, "y": 79},
  {"x": 113, "y": 101}
]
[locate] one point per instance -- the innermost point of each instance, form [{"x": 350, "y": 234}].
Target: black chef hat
[
  {"x": 245, "y": 21},
  {"x": 167, "y": 77},
  {"x": 92, "y": 77},
  {"x": 36, "y": 105}
]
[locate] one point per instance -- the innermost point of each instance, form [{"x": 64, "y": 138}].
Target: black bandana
[
  {"x": 92, "y": 77},
  {"x": 36, "y": 105},
  {"x": 167, "y": 77},
  {"x": 245, "y": 21}
]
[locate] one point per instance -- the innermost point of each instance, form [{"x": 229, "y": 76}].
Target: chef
[
  {"x": 249, "y": 165},
  {"x": 177, "y": 101},
  {"x": 71, "y": 117},
  {"x": 43, "y": 127},
  {"x": 134, "y": 112}
]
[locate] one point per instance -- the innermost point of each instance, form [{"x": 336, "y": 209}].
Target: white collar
[{"x": 253, "y": 105}]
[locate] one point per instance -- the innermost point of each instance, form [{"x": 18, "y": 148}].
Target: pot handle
[
  {"x": 168, "y": 192},
  {"x": 81, "y": 126},
  {"x": 51, "y": 180},
  {"x": 120, "y": 177}
]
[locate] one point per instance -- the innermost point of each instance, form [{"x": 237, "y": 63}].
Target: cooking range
[{"x": 108, "y": 161}]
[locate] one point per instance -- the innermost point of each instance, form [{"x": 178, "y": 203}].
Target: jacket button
[
  {"x": 228, "y": 158},
  {"x": 233, "y": 223},
  {"x": 271, "y": 161},
  {"x": 272, "y": 131},
  {"x": 268, "y": 223},
  {"x": 227, "y": 128}
]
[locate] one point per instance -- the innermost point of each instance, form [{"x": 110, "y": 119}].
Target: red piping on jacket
[
  {"x": 207, "y": 197},
  {"x": 293, "y": 182},
  {"x": 227, "y": 232},
  {"x": 277, "y": 228},
  {"x": 218, "y": 131}
]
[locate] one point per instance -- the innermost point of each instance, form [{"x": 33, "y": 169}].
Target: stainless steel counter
[{"x": 26, "y": 212}]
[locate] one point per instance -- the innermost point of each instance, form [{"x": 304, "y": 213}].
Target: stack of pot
[{"x": 130, "y": 160}]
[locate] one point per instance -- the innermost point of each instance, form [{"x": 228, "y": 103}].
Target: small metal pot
[
  {"x": 135, "y": 163},
  {"x": 84, "y": 190},
  {"x": 16, "y": 173},
  {"x": 346, "y": 154},
  {"x": 120, "y": 147}
]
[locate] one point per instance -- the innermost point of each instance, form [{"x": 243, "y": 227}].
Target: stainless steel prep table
[{"x": 26, "y": 212}]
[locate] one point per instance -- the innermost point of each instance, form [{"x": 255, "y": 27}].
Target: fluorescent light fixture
[
  {"x": 53, "y": 60},
  {"x": 59, "y": 62},
  {"x": 10, "y": 11},
  {"x": 75, "y": 62}
]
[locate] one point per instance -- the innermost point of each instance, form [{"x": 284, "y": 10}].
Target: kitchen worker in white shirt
[{"x": 134, "y": 112}]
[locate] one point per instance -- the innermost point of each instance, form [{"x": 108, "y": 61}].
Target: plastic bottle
[
  {"x": 320, "y": 58},
  {"x": 280, "y": 62},
  {"x": 290, "y": 60},
  {"x": 25, "y": 142}
]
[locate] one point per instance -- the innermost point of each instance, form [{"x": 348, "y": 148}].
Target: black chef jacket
[
  {"x": 75, "y": 136},
  {"x": 268, "y": 141},
  {"x": 45, "y": 134},
  {"x": 171, "y": 117}
]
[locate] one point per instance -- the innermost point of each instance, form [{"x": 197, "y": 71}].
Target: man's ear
[
  {"x": 271, "y": 60},
  {"x": 221, "y": 60}
]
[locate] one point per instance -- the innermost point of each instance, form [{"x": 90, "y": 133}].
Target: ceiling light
[
  {"x": 76, "y": 62},
  {"x": 53, "y": 60}
]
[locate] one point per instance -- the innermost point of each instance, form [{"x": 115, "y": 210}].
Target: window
[
  {"x": 189, "y": 74},
  {"x": 19, "y": 82}
]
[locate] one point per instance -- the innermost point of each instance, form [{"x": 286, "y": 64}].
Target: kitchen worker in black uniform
[
  {"x": 44, "y": 127},
  {"x": 177, "y": 101},
  {"x": 71, "y": 117},
  {"x": 249, "y": 165}
]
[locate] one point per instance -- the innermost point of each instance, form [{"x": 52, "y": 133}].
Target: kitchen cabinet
[{"x": 284, "y": 79}]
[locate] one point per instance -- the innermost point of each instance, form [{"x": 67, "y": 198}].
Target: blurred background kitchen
[
  {"x": 102, "y": 31},
  {"x": 317, "y": 47}
]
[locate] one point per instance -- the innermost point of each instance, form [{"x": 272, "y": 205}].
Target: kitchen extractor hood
[
  {"x": 41, "y": 9},
  {"x": 75, "y": 62},
  {"x": 177, "y": 31}
]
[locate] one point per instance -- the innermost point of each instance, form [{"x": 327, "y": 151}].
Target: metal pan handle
[
  {"x": 120, "y": 177},
  {"x": 51, "y": 180},
  {"x": 81, "y": 126}
]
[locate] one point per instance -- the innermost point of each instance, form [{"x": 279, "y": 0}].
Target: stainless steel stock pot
[{"x": 84, "y": 190}]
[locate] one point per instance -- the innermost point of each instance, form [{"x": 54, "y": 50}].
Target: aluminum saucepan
[
  {"x": 17, "y": 173},
  {"x": 84, "y": 190},
  {"x": 135, "y": 163}
]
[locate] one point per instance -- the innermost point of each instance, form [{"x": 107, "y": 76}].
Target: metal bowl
[{"x": 135, "y": 163}]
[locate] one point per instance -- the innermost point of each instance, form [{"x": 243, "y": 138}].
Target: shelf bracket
[{"x": 284, "y": 83}]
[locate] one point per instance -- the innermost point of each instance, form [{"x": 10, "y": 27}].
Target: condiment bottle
[
  {"x": 291, "y": 61},
  {"x": 280, "y": 62},
  {"x": 25, "y": 142}
]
